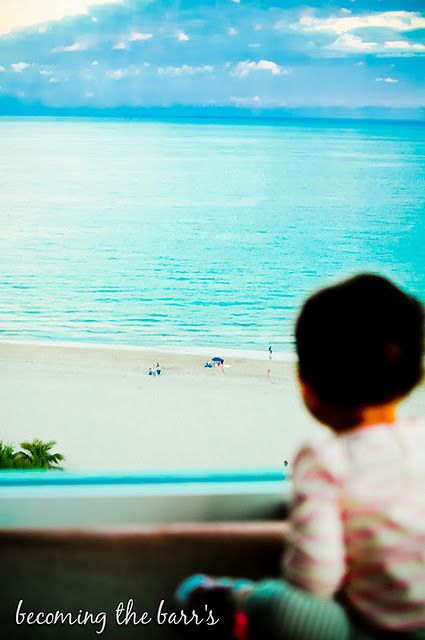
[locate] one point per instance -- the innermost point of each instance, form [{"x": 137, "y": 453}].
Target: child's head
[{"x": 359, "y": 345}]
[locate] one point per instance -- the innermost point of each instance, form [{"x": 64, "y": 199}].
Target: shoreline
[{"x": 204, "y": 351}]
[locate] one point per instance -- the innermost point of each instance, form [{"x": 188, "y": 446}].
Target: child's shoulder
[{"x": 354, "y": 452}]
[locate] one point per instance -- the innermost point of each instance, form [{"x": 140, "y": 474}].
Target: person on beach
[
  {"x": 354, "y": 566},
  {"x": 269, "y": 370}
]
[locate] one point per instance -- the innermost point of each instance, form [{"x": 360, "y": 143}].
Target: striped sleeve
[{"x": 315, "y": 558}]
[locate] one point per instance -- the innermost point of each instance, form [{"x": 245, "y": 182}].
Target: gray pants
[{"x": 278, "y": 611}]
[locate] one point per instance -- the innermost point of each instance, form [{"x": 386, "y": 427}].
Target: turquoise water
[{"x": 193, "y": 234}]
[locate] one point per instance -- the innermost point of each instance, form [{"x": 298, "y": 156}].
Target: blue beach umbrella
[{"x": 217, "y": 359}]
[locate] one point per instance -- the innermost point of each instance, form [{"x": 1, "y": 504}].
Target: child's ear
[
  {"x": 306, "y": 390},
  {"x": 310, "y": 397}
]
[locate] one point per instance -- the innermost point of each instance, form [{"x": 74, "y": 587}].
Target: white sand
[{"x": 107, "y": 414}]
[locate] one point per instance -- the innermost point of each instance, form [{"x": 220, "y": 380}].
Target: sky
[{"x": 243, "y": 54}]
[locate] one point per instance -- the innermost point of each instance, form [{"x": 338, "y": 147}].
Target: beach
[{"x": 107, "y": 414}]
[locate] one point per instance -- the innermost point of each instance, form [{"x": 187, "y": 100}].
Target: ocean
[{"x": 199, "y": 233}]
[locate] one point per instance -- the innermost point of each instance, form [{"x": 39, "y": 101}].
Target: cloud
[
  {"x": 394, "y": 20},
  {"x": 185, "y": 70},
  {"x": 76, "y": 46},
  {"x": 236, "y": 1},
  {"x": 243, "y": 101},
  {"x": 348, "y": 43},
  {"x": 18, "y": 67},
  {"x": 182, "y": 37},
  {"x": 21, "y": 14},
  {"x": 344, "y": 26},
  {"x": 352, "y": 44},
  {"x": 387, "y": 80},
  {"x": 257, "y": 101},
  {"x": 119, "y": 74},
  {"x": 243, "y": 69},
  {"x": 136, "y": 36},
  {"x": 232, "y": 31},
  {"x": 404, "y": 45},
  {"x": 254, "y": 45},
  {"x": 2, "y": 68}
]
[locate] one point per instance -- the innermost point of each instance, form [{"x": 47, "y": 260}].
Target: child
[{"x": 355, "y": 562}]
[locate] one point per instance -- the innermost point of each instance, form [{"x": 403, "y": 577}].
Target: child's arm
[{"x": 315, "y": 559}]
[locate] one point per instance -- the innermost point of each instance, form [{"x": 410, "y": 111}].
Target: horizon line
[
  {"x": 13, "y": 107},
  {"x": 381, "y": 118}
]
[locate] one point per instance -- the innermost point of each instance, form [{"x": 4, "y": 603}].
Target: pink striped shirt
[{"x": 358, "y": 522}]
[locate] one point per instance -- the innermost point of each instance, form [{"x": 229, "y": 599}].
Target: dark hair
[{"x": 360, "y": 342}]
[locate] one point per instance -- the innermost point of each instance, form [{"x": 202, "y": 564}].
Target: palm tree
[
  {"x": 37, "y": 455},
  {"x": 7, "y": 456}
]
